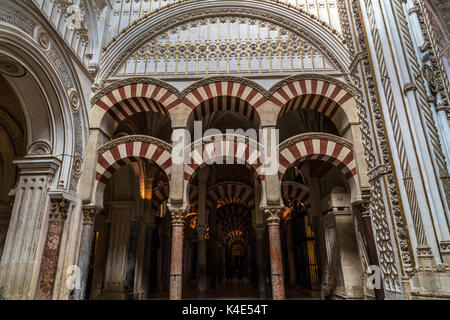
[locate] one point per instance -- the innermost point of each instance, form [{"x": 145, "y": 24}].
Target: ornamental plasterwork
[
  {"x": 225, "y": 45},
  {"x": 126, "y": 12}
]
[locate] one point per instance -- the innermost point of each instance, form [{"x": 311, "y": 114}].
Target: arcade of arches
[{"x": 252, "y": 149}]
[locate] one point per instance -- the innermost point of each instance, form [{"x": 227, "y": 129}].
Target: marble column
[
  {"x": 260, "y": 230},
  {"x": 176, "y": 261},
  {"x": 89, "y": 214},
  {"x": 19, "y": 272},
  {"x": 49, "y": 262},
  {"x": 290, "y": 254},
  {"x": 276, "y": 262}
]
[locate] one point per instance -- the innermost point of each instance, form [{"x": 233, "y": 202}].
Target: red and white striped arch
[
  {"x": 294, "y": 190},
  {"x": 223, "y": 89},
  {"x": 130, "y": 99},
  {"x": 319, "y": 95},
  {"x": 209, "y": 152},
  {"x": 227, "y": 193},
  {"x": 213, "y": 97},
  {"x": 318, "y": 149},
  {"x": 226, "y": 103},
  {"x": 121, "y": 154}
]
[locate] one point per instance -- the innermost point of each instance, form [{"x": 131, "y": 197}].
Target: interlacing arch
[
  {"x": 318, "y": 146},
  {"x": 228, "y": 148},
  {"x": 123, "y": 151}
]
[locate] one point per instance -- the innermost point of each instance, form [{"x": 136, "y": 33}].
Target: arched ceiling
[
  {"x": 126, "y": 12},
  {"x": 277, "y": 39}
]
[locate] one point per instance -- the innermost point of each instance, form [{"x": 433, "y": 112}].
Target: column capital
[
  {"x": 59, "y": 208},
  {"x": 59, "y": 205},
  {"x": 89, "y": 214},
  {"x": 201, "y": 231},
  {"x": 273, "y": 215},
  {"x": 178, "y": 217},
  {"x": 31, "y": 166}
]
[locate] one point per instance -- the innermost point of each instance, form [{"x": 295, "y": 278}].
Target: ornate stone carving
[
  {"x": 59, "y": 209},
  {"x": 89, "y": 215},
  {"x": 178, "y": 217},
  {"x": 278, "y": 51},
  {"x": 14, "y": 16},
  {"x": 273, "y": 216},
  {"x": 10, "y": 67},
  {"x": 43, "y": 39},
  {"x": 378, "y": 171},
  {"x": 75, "y": 101},
  {"x": 216, "y": 12},
  {"x": 377, "y": 207}
]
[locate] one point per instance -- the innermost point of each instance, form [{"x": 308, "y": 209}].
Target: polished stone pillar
[
  {"x": 176, "y": 261},
  {"x": 290, "y": 253},
  {"x": 89, "y": 214},
  {"x": 260, "y": 230},
  {"x": 49, "y": 262},
  {"x": 276, "y": 263}
]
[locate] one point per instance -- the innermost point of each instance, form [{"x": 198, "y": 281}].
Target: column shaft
[
  {"x": 176, "y": 261},
  {"x": 85, "y": 249},
  {"x": 276, "y": 262},
  {"x": 49, "y": 263}
]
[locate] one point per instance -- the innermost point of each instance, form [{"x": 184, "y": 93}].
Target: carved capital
[
  {"x": 89, "y": 215},
  {"x": 59, "y": 209},
  {"x": 273, "y": 216},
  {"x": 178, "y": 217},
  {"x": 201, "y": 231}
]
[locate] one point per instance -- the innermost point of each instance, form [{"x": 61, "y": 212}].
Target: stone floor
[{"x": 233, "y": 291}]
